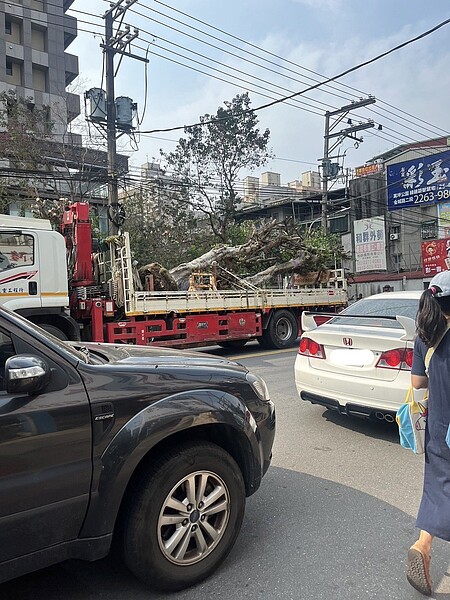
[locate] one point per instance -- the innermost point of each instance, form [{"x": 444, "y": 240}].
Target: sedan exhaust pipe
[{"x": 382, "y": 416}]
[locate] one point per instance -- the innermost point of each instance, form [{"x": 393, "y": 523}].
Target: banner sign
[
  {"x": 444, "y": 219},
  {"x": 368, "y": 170},
  {"x": 435, "y": 256},
  {"x": 370, "y": 244},
  {"x": 419, "y": 182}
]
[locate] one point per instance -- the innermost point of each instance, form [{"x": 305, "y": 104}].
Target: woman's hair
[{"x": 431, "y": 322}]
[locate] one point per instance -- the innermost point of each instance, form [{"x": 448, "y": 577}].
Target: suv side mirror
[{"x": 26, "y": 374}]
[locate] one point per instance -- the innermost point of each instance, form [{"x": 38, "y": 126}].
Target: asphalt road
[{"x": 333, "y": 518}]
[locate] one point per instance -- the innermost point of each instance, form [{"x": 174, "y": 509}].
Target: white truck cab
[{"x": 33, "y": 271}]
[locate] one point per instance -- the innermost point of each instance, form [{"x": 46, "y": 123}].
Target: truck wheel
[
  {"x": 282, "y": 330},
  {"x": 233, "y": 344},
  {"x": 185, "y": 516},
  {"x": 58, "y": 333}
]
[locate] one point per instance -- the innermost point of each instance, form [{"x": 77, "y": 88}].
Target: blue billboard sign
[{"x": 418, "y": 182}]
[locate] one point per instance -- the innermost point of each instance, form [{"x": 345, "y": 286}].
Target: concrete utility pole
[
  {"x": 113, "y": 190},
  {"x": 114, "y": 44},
  {"x": 330, "y": 170}
]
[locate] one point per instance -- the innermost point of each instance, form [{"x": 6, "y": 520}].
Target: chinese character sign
[
  {"x": 367, "y": 170},
  {"x": 418, "y": 182},
  {"x": 435, "y": 256},
  {"x": 370, "y": 244}
]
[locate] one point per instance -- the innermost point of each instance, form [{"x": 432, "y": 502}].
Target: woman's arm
[
  {"x": 419, "y": 382},
  {"x": 419, "y": 379}
]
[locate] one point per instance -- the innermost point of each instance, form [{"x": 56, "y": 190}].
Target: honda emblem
[{"x": 347, "y": 341}]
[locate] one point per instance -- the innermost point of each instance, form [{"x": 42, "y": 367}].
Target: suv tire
[{"x": 184, "y": 517}]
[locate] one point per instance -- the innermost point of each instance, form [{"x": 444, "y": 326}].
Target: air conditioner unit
[{"x": 394, "y": 236}]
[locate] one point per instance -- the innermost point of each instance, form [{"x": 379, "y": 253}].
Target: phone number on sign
[{"x": 431, "y": 196}]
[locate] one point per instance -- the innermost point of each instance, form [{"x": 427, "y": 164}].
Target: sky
[{"x": 294, "y": 44}]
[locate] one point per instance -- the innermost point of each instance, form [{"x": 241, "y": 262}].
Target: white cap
[{"x": 440, "y": 284}]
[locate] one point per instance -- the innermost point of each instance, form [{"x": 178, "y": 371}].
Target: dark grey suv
[{"x": 152, "y": 449}]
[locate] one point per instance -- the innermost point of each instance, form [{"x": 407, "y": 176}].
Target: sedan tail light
[
  {"x": 399, "y": 358},
  {"x": 311, "y": 348}
]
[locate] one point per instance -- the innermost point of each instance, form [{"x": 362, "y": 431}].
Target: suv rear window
[{"x": 379, "y": 307}]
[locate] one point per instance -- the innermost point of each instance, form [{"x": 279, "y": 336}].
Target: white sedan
[{"x": 359, "y": 362}]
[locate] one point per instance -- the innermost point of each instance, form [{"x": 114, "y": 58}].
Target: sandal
[{"x": 418, "y": 571}]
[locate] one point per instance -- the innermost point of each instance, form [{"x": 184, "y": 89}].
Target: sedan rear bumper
[
  {"x": 350, "y": 394},
  {"x": 353, "y": 410}
]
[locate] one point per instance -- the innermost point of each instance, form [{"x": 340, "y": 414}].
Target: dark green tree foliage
[
  {"x": 209, "y": 159},
  {"x": 163, "y": 228}
]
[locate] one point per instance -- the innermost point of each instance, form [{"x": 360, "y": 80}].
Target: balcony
[
  {"x": 73, "y": 106},
  {"x": 70, "y": 30},
  {"x": 71, "y": 67}
]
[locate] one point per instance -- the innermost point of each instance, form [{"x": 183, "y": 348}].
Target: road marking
[{"x": 267, "y": 353}]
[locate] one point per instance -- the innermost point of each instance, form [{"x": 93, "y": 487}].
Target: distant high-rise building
[{"x": 33, "y": 57}]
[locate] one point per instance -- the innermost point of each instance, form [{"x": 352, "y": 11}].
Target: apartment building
[
  {"x": 34, "y": 61},
  {"x": 269, "y": 190}
]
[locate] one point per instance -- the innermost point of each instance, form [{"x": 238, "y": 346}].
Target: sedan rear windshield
[{"x": 379, "y": 307}]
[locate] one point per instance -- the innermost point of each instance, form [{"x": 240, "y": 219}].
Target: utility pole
[
  {"x": 330, "y": 170},
  {"x": 114, "y": 44},
  {"x": 113, "y": 189},
  {"x": 325, "y": 174}
]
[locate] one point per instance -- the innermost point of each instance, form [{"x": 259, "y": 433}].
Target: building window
[
  {"x": 429, "y": 230},
  {"x": 339, "y": 224},
  {"x": 397, "y": 258},
  {"x": 37, "y": 5},
  {"x": 39, "y": 38},
  {"x": 13, "y": 71},
  {"x": 13, "y": 29},
  {"x": 40, "y": 79}
]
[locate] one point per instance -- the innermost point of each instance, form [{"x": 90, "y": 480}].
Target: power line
[
  {"x": 218, "y": 62},
  {"x": 334, "y": 78},
  {"x": 223, "y": 41},
  {"x": 302, "y": 92},
  {"x": 84, "y": 12},
  {"x": 260, "y": 50}
]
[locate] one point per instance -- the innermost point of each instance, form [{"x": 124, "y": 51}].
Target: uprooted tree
[
  {"x": 271, "y": 249},
  {"x": 201, "y": 179}
]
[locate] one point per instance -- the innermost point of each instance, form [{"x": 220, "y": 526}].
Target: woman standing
[{"x": 433, "y": 518}]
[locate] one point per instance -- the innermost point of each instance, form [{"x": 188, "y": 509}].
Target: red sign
[
  {"x": 435, "y": 256},
  {"x": 367, "y": 170}
]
